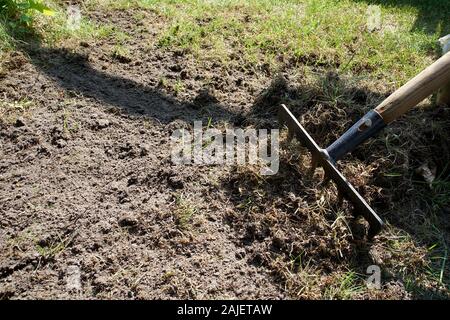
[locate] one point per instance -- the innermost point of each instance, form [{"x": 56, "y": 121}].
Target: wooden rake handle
[{"x": 415, "y": 90}]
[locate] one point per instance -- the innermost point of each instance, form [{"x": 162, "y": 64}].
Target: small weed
[
  {"x": 23, "y": 239},
  {"x": 178, "y": 87},
  {"x": 121, "y": 53},
  {"x": 184, "y": 212},
  {"x": 168, "y": 275},
  {"x": 68, "y": 125},
  {"x": 52, "y": 250},
  {"x": 163, "y": 82},
  {"x": 245, "y": 204},
  {"x": 11, "y": 111}
]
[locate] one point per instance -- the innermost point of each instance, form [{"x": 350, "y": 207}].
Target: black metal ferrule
[{"x": 368, "y": 126}]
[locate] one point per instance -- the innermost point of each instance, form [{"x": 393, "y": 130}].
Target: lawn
[{"x": 86, "y": 113}]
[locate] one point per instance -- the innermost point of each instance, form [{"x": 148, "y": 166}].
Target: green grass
[
  {"x": 53, "y": 30},
  {"x": 326, "y": 33},
  {"x": 29, "y": 238},
  {"x": 5, "y": 38},
  {"x": 48, "y": 252},
  {"x": 440, "y": 193},
  {"x": 120, "y": 52},
  {"x": 345, "y": 287},
  {"x": 316, "y": 32}
]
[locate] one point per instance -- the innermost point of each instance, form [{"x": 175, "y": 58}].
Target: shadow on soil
[
  {"x": 73, "y": 72},
  {"x": 269, "y": 236}
]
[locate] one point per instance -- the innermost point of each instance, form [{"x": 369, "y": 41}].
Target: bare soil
[{"x": 90, "y": 200}]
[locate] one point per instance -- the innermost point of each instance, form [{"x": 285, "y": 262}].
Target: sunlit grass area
[{"x": 314, "y": 32}]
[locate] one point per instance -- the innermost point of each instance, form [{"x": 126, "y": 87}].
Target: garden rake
[{"x": 402, "y": 100}]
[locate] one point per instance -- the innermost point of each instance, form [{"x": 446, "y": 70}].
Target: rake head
[{"x": 321, "y": 158}]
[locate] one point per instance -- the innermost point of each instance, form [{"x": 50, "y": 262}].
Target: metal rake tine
[{"x": 328, "y": 163}]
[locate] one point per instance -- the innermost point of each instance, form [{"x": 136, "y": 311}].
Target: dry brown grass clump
[{"x": 296, "y": 228}]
